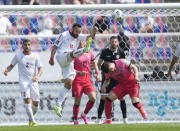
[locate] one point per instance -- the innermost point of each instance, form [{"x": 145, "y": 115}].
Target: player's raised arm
[{"x": 93, "y": 33}]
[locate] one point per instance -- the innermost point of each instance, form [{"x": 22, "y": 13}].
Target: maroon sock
[
  {"x": 108, "y": 108},
  {"x": 89, "y": 105},
  {"x": 75, "y": 111}
]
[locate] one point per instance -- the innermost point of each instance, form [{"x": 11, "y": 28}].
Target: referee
[{"x": 114, "y": 52}]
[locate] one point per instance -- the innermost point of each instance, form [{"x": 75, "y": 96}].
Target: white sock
[
  {"x": 34, "y": 109},
  {"x": 29, "y": 112},
  {"x": 78, "y": 52},
  {"x": 62, "y": 95}
]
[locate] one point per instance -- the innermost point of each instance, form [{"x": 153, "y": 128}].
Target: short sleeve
[
  {"x": 177, "y": 52},
  {"x": 58, "y": 41},
  {"x": 14, "y": 60}
]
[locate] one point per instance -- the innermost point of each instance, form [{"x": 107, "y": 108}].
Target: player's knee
[
  {"x": 77, "y": 105},
  {"x": 93, "y": 99}
]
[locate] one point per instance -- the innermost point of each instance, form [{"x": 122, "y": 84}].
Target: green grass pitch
[{"x": 112, "y": 127}]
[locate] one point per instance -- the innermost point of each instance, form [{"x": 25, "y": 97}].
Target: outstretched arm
[
  {"x": 175, "y": 58},
  {"x": 8, "y": 69}
]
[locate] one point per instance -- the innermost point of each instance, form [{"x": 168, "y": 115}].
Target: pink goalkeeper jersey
[
  {"x": 83, "y": 63},
  {"x": 123, "y": 72}
]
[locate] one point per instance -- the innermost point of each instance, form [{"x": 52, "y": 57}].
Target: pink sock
[
  {"x": 75, "y": 111},
  {"x": 89, "y": 105},
  {"x": 108, "y": 108}
]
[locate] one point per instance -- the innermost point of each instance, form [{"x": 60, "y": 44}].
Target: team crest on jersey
[{"x": 117, "y": 56}]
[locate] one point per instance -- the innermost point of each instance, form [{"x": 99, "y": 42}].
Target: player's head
[
  {"x": 26, "y": 45},
  {"x": 114, "y": 42},
  {"x": 107, "y": 67},
  {"x": 76, "y": 30}
]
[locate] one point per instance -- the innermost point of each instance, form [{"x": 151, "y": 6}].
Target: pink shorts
[
  {"x": 78, "y": 88},
  {"x": 132, "y": 89}
]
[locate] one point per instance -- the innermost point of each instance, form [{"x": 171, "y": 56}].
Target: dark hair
[
  {"x": 113, "y": 37},
  {"x": 26, "y": 40},
  {"x": 76, "y": 25},
  {"x": 105, "y": 67},
  {"x": 102, "y": 23}
]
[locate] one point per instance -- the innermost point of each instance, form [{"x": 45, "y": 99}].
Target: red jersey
[
  {"x": 83, "y": 63},
  {"x": 122, "y": 73}
]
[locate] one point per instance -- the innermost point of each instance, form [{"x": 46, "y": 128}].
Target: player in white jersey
[
  {"x": 174, "y": 60},
  {"x": 30, "y": 69},
  {"x": 66, "y": 46}
]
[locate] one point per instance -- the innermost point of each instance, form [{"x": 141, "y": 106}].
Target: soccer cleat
[
  {"x": 107, "y": 122},
  {"x": 143, "y": 113},
  {"x": 88, "y": 44},
  {"x": 32, "y": 123},
  {"x": 76, "y": 123},
  {"x": 85, "y": 119},
  {"x": 125, "y": 120},
  {"x": 57, "y": 109}
]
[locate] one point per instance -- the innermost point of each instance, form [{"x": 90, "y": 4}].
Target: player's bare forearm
[
  {"x": 53, "y": 52},
  {"x": 100, "y": 61},
  {"x": 36, "y": 78},
  {"x": 8, "y": 69},
  {"x": 136, "y": 73},
  {"x": 105, "y": 85},
  {"x": 96, "y": 70},
  {"x": 93, "y": 33}
]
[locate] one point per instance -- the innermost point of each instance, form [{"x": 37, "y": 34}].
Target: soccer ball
[{"x": 117, "y": 15}]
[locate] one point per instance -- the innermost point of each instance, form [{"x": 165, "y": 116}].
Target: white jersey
[
  {"x": 27, "y": 66},
  {"x": 66, "y": 43}
]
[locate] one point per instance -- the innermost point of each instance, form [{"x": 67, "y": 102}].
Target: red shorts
[
  {"x": 78, "y": 88},
  {"x": 131, "y": 88}
]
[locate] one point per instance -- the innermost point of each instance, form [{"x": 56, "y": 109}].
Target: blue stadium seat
[
  {"x": 144, "y": 42},
  {"x": 157, "y": 29},
  {"x": 34, "y": 26},
  {"x": 44, "y": 44},
  {"x": 134, "y": 29},
  {"x": 141, "y": 2},
  {"x": 89, "y": 21},
  {"x": 25, "y": 31},
  {"x": 161, "y": 51},
  {"x": 14, "y": 44},
  {"x": 12, "y": 19},
  {"x": 138, "y": 53}
]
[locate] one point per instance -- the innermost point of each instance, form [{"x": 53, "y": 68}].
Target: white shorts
[
  {"x": 67, "y": 66},
  {"x": 30, "y": 91}
]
